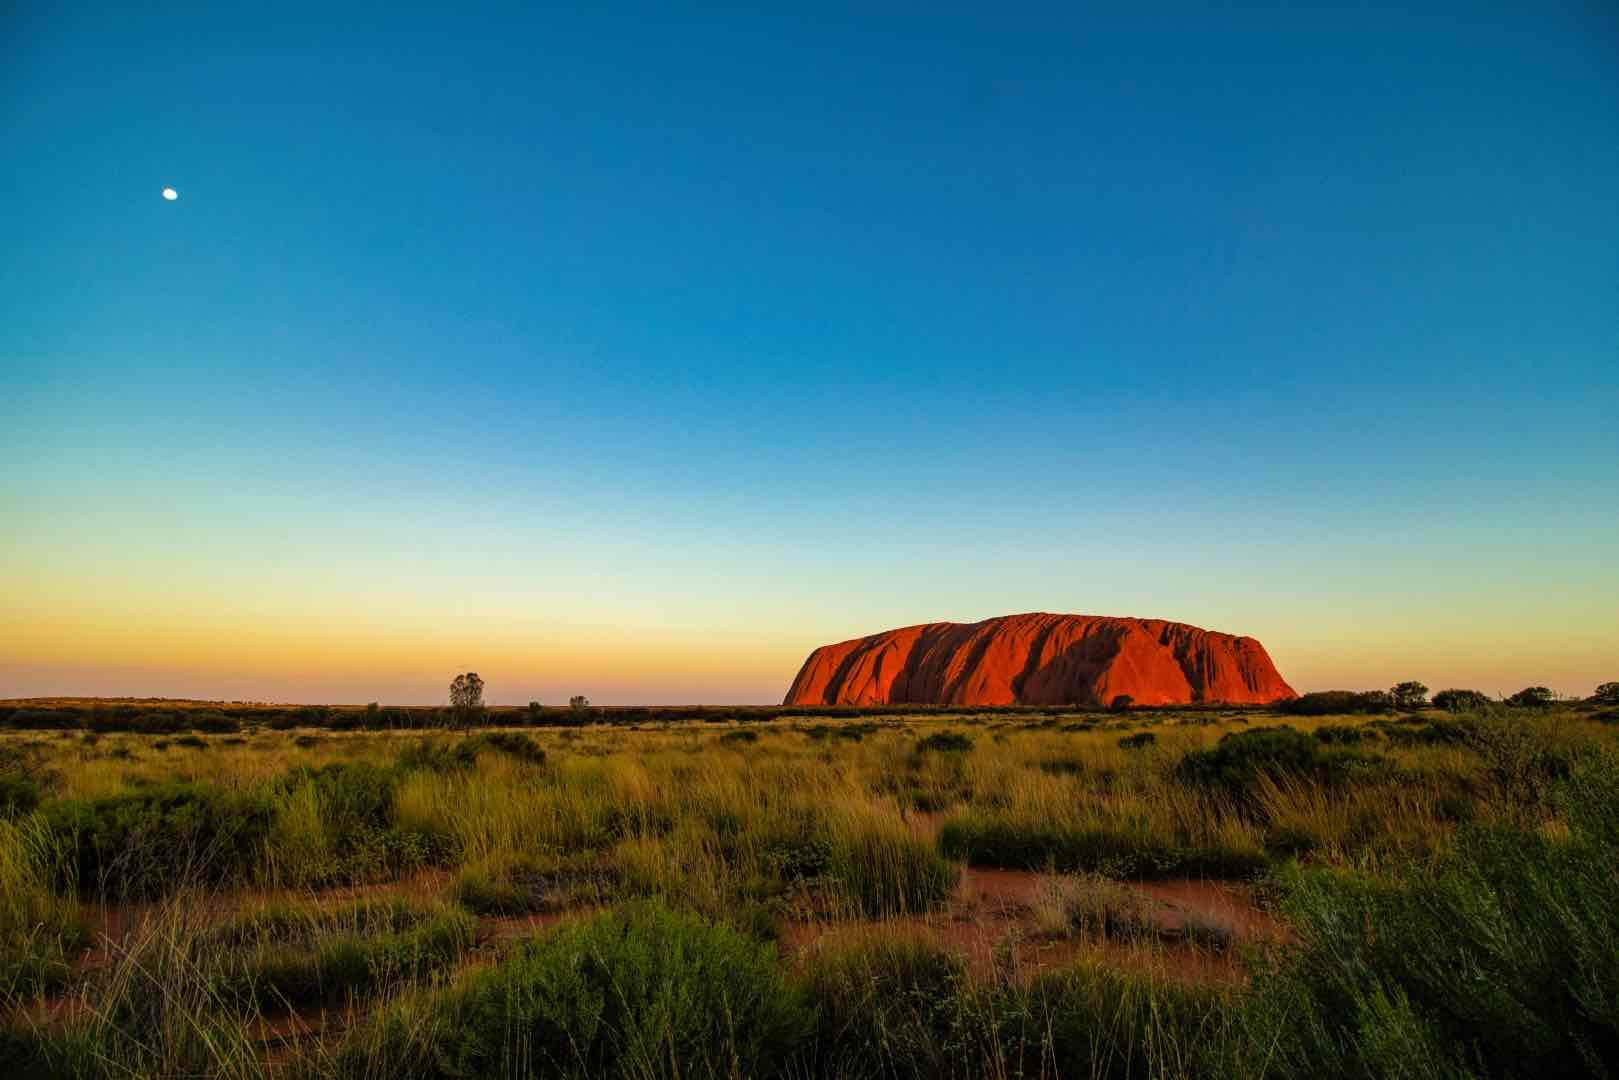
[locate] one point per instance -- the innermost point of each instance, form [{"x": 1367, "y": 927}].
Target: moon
[{"x": 170, "y": 194}]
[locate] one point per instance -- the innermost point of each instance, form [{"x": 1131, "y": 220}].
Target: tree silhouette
[
  {"x": 1409, "y": 696},
  {"x": 466, "y": 699}
]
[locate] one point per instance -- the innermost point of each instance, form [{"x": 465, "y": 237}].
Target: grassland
[{"x": 348, "y": 893}]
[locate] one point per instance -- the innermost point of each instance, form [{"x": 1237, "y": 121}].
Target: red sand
[
  {"x": 989, "y": 923},
  {"x": 1041, "y": 659}
]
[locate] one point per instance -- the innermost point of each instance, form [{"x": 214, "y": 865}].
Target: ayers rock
[{"x": 1041, "y": 659}]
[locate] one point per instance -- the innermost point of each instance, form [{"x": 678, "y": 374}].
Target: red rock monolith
[{"x": 1041, "y": 659}]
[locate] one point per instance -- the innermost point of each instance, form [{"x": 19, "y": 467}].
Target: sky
[{"x": 634, "y": 352}]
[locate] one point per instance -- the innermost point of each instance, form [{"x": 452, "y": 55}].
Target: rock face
[{"x": 1041, "y": 659}]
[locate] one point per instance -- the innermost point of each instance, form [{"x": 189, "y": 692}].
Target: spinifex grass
[{"x": 1403, "y": 851}]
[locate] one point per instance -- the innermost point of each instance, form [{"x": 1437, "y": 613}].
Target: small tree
[
  {"x": 1409, "y": 696},
  {"x": 1532, "y": 697},
  {"x": 466, "y": 699},
  {"x": 579, "y": 701},
  {"x": 1607, "y": 694}
]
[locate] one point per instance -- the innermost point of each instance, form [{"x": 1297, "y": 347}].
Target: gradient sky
[{"x": 636, "y": 352}]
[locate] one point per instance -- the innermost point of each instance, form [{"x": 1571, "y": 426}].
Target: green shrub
[
  {"x": 889, "y": 1007},
  {"x": 353, "y": 795},
  {"x": 154, "y": 841},
  {"x": 1533, "y": 697},
  {"x": 739, "y": 738},
  {"x": 898, "y": 1007},
  {"x": 1521, "y": 763},
  {"x": 1240, "y": 758},
  {"x": 1139, "y": 741},
  {"x": 513, "y": 744},
  {"x": 213, "y": 722},
  {"x": 643, "y": 991},
  {"x": 529, "y": 883},
  {"x": 1122, "y": 850},
  {"x": 356, "y": 838},
  {"x": 1455, "y": 731},
  {"x": 1460, "y": 700},
  {"x": 945, "y": 742},
  {"x": 887, "y": 871},
  {"x": 1496, "y": 960},
  {"x": 40, "y": 931},
  {"x": 19, "y": 795},
  {"x": 436, "y": 755},
  {"x": 300, "y": 958},
  {"x": 1338, "y": 702},
  {"x": 1096, "y": 1021},
  {"x": 1342, "y": 734}
]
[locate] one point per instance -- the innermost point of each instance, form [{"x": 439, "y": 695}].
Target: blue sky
[{"x": 637, "y": 352}]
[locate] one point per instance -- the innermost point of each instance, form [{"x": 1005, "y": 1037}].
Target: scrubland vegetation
[{"x": 1371, "y": 892}]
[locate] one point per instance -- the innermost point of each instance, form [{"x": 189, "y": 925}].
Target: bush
[
  {"x": 896, "y": 1007},
  {"x": 643, "y": 991},
  {"x": 23, "y": 779},
  {"x": 884, "y": 869},
  {"x": 155, "y": 841},
  {"x": 1606, "y": 694},
  {"x": 888, "y": 1007},
  {"x": 1341, "y": 734},
  {"x": 1242, "y": 757},
  {"x": 1522, "y": 763},
  {"x": 852, "y": 732},
  {"x": 352, "y": 795},
  {"x": 1098, "y": 1021},
  {"x": 1497, "y": 960},
  {"x": 524, "y": 884},
  {"x": 945, "y": 742},
  {"x": 514, "y": 744},
  {"x": 302, "y": 957},
  {"x": 19, "y": 795},
  {"x": 1337, "y": 703},
  {"x": 1409, "y": 696},
  {"x": 738, "y": 738},
  {"x": 1533, "y": 697},
  {"x": 1139, "y": 740},
  {"x": 1444, "y": 732},
  {"x": 213, "y": 722},
  {"x": 337, "y": 824},
  {"x": 1124, "y": 850},
  {"x": 436, "y": 755},
  {"x": 1460, "y": 700}
]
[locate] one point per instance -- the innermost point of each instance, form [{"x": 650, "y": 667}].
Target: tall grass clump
[
  {"x": 880, "y": 868},
  {"x": 887, "y": 1005},
  {"x": 643, "y": 991},
  {"x": 1499, "y": 957},
  {"x": 159, "y": 1009},
  {"x": 40, "y": 930},
  {"x": 154, "y": 841},
  {"x": 1241, "y": 758},
  {"x": 891, "y": 1006},
  {"x": 290, "y": 956},
  {"x": 338, "y": 823}
]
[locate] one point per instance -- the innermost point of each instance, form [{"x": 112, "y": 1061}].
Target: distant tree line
[
  {"x": 466, "y": 708},
  {"x": 1412, "y": 696}
]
